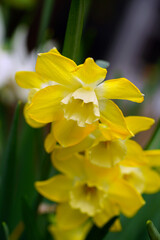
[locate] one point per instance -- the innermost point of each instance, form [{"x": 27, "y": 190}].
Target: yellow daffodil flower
[
  {"x": 90, "y": 190},
  {"x": 74, "y": 96},
  {"x": 102, "y": 150},
  {"x": 78, "y": 233}
]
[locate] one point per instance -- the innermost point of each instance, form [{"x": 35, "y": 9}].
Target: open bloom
[
  {"x": 103, "y": 147},
  {"x": 90, "y": 191},
  {"x": 75, "y": 96}
]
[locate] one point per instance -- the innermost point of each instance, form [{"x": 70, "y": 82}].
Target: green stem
[
  {"x": 46, "y": 14},
  {"x": 74, "y": 29},
  {"x": 152, "y": 231}
]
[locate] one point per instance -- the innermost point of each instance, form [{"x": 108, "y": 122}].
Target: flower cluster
[{"x": 102, "y": 171}]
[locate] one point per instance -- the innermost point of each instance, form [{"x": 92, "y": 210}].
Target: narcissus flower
[
  {"x": 92, "y": 191},
  {"x": 103, "y": 147},
  {"x": 75, "y": 96}
]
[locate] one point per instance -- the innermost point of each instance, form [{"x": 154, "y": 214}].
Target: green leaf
[
  {"x": 6, "y": 230},
  {"x": 103, "y": 64},
  {"x": 99, "y": 233},
  {"x": 74, "y": 29},
  {"x": 8, "y": 173},
  {"x": 29, "y": 219},
  {"x": 152, "y": 231},
  {"x": 46, "y": 14}
]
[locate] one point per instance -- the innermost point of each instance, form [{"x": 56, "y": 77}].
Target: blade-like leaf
[
  {"x": 6, "y": 230},
  {"x": 99, "y": 233},
  {"x": 152, "y": 231},
  {"x": 8, "y": 173},
  {"x": 74, "y": 29},
  {"x": 154, "y": 140}
]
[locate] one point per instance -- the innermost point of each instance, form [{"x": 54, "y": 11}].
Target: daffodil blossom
[
  {"x": 74, "y": 96},
  {"x": 78, "y": 233},
  {"x": 90, "y": 190},
  {"x": 103, "y": 147}
]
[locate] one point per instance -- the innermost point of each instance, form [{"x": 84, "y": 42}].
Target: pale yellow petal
[
  {"x": 90, "y": 73},
  {"x": 109, "y": 153},
  {"x": 153, "y": 157},
  {"x": 29, "y": 120},
  {"x": 56, "y": 188},
  {"x": 81, "y": 106},
  {"x": 78, "y": 233},
  {"x": 69, "y": 218},
  {"x": 65, "y": 152},
  {"x": 135, "y": 155},
  {"x": 134, "y": 176},
  {"x": 152, "y": 180},
  {"x": 127, "y": 198},
  {"x": 73, "y": 166},
  {"x": 109, "y": 211},
  {"x": 138, "y": 124},
  {"x": 120, "y": 88},
  {"x": 113, "y": 118},
  {"x": 45, "y": 106},
  {"x": 87, "y": 199},
  {"x": 55, "y": 67},
  {"x": 29, "y": 79},
  {"x": 68, "y": 133}
]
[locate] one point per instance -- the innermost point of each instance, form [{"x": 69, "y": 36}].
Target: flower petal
[
  {"x": 135, "y": 155},
  {"x": 55, "y": 67},
  {"x": 153, "y": 157},
  {"x": 68, "y": 133},
  {"x": 128, "y": 199},
  {"x": 120, "y": 88},
  {"x": 114, "y": 120},
  {"x": 138, "y": 124},
  {"x": 109, "y": 153},
  {"x": 73, "y": 166},
  {"x": 29, "y": 79},
  {"x": 56, "y": 188},
  {"x": 69, "y": 218},
  {"x": 63, "y": 153},
  {"x": 29, "y": 120},
  {"x": 90, "y": 73},
  {"x": 45, "y": 106},
  {"x": 152, "y": 180}
]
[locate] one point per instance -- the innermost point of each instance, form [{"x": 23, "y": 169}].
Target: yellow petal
[
  {"x": 78, "y": 233},
  {"x": 153, "y": 157},
  {"x": 109, "y": 153},
  {"x": 55, "y": 67},
  {"x": 90, "y": 73},
  {"x": 73, "y": 166},
  {"x": 135, "y": 155},
  {"x": 69, "y": 218},
  {"x": 138, "y": 124},
  {"x": 120, "y": 88},
  {"x": 128, "y": 199},
  {"x": 116, "y": 227},
  {"x": 63, "y": 153},
  {"x": 110, "y": 210},
  {"x": 50, "y": 143},
  {"x": 81, "y": 106},
  {"x": 29, "y": 120},
  {"x": 152, "y": 180},
  {"x": 29, "y": 79},
  {"x": 68, "y": 133},
  {"x": 134, "y": 176},
  {"x": 113, "y": 117},
  {"x": 86, "y": 198},
  {"x": 45, "y": 106},
  {"x": 56, "y": 188}
]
